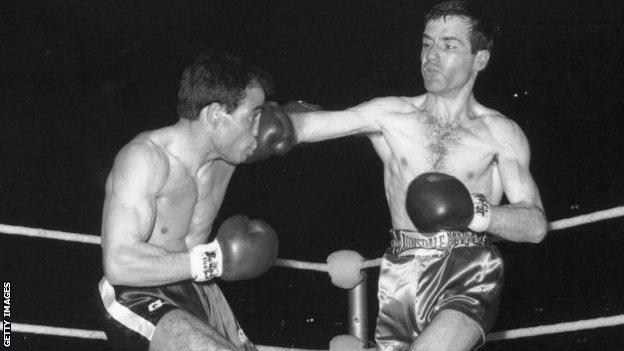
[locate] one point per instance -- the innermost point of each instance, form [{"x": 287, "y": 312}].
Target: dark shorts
[
  {"x": 422, "y": 275},
  {"x": 131, "y": 314}
]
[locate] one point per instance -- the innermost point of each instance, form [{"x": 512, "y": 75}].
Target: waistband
[{"x": 444, "y": 241}]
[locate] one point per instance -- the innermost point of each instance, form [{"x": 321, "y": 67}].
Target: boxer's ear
[
  {"x": 212, "y": 114},
  {"x": 482, "y": 59}
]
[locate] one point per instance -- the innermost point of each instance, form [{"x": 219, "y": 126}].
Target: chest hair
[{"x": 441, "y": 140}]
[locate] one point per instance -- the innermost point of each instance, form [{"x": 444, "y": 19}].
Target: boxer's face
[
  {"x": 238, "y": 129},
  {"x": 446, "y": 59}
]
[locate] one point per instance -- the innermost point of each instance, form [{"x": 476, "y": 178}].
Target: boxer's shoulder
[
  {"x": 417, "y": 102},
  {"x": 141, "y": 160},
  {"x": 142, "y": 151},
  {"x": 503, "y": 132},
  {"x": 490, "y": 117},
  {"x": 494, "y": 121},
  {"x": 391, "y": 104},
  {"x": 504, "y": 129}
]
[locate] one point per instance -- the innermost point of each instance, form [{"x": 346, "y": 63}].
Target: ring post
[{"x": 358, "y": 310}]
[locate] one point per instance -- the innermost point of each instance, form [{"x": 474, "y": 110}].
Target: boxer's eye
[
  {"x": 254, "y": 118},
  {"x": 450, "y": 45}
]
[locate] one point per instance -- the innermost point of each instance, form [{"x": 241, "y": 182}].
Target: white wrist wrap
[
  {"x": 206, "y": 262},
  {"x": 481, "y": 218}
]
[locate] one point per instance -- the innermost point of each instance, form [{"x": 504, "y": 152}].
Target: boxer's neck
[
  {"x": 449, "y": 109},
  {"x": 190, "y": 145}
]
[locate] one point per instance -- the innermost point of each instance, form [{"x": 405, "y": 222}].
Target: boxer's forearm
[
  {"x": 518, "y": 222},
  {"x": 216, "y": 341},
  {"x": 325, "y": 125},
  {"x": 146, "y": 265}
]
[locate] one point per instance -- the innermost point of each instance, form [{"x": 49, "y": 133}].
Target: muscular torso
[
  {"x": 186, "y": 204},
  {"x": 410, "y": 146}
]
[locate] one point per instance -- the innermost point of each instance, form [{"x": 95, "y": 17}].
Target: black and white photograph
[{"x": 300, "y": 175}]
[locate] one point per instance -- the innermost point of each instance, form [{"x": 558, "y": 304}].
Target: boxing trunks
[
  {"x": 131, "y": 313},
  {"x": 421, "y": 275}
]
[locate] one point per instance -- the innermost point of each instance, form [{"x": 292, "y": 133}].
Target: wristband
[
  {"x": 206, "y": 261},
  {"x": 482, "y": 216}
]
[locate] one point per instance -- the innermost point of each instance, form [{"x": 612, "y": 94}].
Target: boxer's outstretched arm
[
  {"x": 129, "y": 214},
  {"x": 368, "y": 117},
  {"x": 523, "y": 219}
]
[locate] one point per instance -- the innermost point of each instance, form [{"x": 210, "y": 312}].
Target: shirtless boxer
[
  {"x": 439, "y": 285},
  {"x": 162, "y": 196}
]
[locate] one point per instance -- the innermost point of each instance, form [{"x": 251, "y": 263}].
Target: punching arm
[{"x": 129, "y": 213}]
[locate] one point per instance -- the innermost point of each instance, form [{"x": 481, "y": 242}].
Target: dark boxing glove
[
  {"x": 438, "y": 201},
  {"x": 243, "y": 249},
  {"x": 276, "y": 134}
]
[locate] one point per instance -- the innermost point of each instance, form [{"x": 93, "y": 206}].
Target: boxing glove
[
  {"x": 276, "y": 134},
  {"x": 243, "y": 249},
  {"x": 438, "y": 201}
]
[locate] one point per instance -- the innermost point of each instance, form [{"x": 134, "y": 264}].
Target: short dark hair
[
  {"x": 483, "y": 28},
  {"x": 218, "y": 77}
]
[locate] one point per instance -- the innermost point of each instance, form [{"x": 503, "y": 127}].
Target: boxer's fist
[
  {"x": 437, "y": 201},
  {"x": 276, "y": 134},
  {"x": 243, "y": 249},
  {"x": 249, "y": 247}
]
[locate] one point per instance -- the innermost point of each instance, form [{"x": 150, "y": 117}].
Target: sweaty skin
[
  {"x": 165, "y": 190},
  {"x": 162, "y": 196},
  {"x": 445, "y": 130}
]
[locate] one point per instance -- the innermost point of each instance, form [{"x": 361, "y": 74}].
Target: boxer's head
[
  {"x": 219, "y": 78},
  {"x": 456, "y": 45},
  {"x": 228, "y": 95},
  {"x": 233, "y": 135},
  {"x": 483, "y": 28}
]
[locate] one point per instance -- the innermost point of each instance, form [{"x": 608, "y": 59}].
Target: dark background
[{"x": 80, "y": 78}]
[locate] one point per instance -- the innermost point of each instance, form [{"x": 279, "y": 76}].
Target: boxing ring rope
[
  {"x": 500, "y": 335},
  {"x": 321, "y": 267},
  {"x": 586, "y": 218},
  {"x": 94, "y": 334},
  {"x": 50, "y": 234},
  {"x": 557, "y": 328},
  {"x": 324, "y": 267}
]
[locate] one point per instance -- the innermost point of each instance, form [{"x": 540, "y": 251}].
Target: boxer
[
  {"x": 448, "y": 160},
  {"x": 163, "y": 193}
]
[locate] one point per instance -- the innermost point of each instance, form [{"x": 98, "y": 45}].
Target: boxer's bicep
[
  {"x": 325, "y": 125},
  {"x": 513, "y": 164},
  {"x": 130, "y": 208},
  {"x": 523, "y": 219},
  {"x": 366, "y": 118},
  {"x": 518, "y": 184}
]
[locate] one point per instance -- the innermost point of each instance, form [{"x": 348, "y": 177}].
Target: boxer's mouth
[{"x": 430, "y": 69}]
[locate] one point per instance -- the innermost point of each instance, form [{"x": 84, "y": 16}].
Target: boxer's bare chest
[
  {"x": 410, "y": 149},
  {"x": 441, "y": 143},
  {"x": 415, "y": 147},
  {"x": 188, "y": 204}
]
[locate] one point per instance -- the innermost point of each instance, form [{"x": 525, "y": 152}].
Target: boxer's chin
[
  {"x": 235, "y": 158},
  {"x": 432, "y": 84},
  {"x": 246, "y": 155}
]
